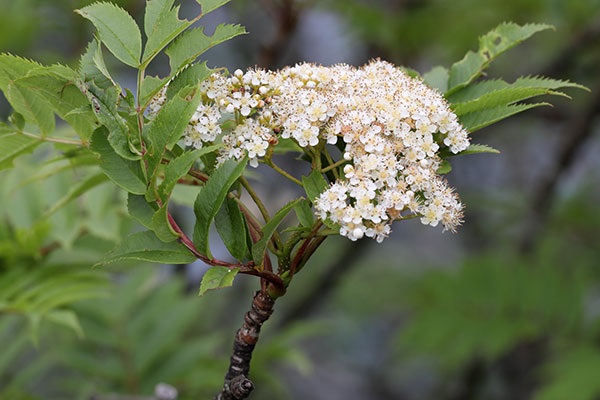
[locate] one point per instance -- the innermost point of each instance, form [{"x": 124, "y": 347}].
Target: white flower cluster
[{"x": 392, "y": 126}]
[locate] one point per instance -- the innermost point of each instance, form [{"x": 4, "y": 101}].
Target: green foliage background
[{"x": 478, "y": 318}]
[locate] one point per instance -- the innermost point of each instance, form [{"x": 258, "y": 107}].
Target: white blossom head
[{"x": 390, "y": 126}]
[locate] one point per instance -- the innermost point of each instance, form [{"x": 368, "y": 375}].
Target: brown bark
[{"x": 237, "y": 384}]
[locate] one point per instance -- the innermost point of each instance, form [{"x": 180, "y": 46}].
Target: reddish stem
[{"x": 244, "y": 269}]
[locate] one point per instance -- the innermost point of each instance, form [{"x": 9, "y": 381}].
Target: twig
[
  {"x": 237, "y": 386},
  {"x": 247, "y": 269}
]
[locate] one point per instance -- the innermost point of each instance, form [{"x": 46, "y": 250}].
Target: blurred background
[{"x": 508, "y": 308}]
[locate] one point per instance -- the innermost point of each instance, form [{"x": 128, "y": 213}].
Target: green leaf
[
  {"x": 304, "y": 213},
  {"x": 168, "y": 126},
  {"x": 162, "y": 25},
  {"x": 217, "y": 278},
  {"x": 472, "y": 149},
  {"x": 124, "y": 173},
  {"x": 13, "y": 67},
  {"x": 506, "y": 36},
  {"x": 34, "y": 108},
  {"x": 211, "y": 198},
  {"x": 466, "y": 70},
  {"x": 444, "y": 168},
  {"x": 194, "y": 42},
  {"x": 105, "y": 104},
  {"x": 481, "y": 119},
  {"x": 314, "y": 184},
  {"x": 289, "y": 145},
  {"x": 211, "y": 5},
  {"x": 190, "y": 76},
  {"x": 76, "y": 191},
  {"x": 161, "y": 226},
  {"x": 117, "y": 30},
  {"x": 64, "y": 97},
  {"x": 258, "y": 249},
  {"x": 572, "y": 373},
  {"x": 437, "y": 77},
  {"x": 140, "y": 210},
  {"x": 66, "y": 318},
  {"x": 502, "y": 38},
  {"x": 479, "y": 148},
  {"x": 93, "y": 68},
  {"x": 150, "y": 86},
  {"x": 12, "y": 145},
  {"x": 479, "y": 89},
  {"x": 178, "y": 168},
  {"x": 145, "y": 246},
  {"x": 500, "y": 98},
  {"x": 231, "y": 226}
]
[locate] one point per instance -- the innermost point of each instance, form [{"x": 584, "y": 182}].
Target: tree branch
[{"x": 237, "y": 386}]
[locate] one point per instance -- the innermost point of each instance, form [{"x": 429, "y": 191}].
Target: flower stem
[
  {"x": 334, "y": 165},
  {"x": 271, "y": 164}
]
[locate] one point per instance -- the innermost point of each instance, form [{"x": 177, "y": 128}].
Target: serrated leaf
[
  {"x": 304, "y": 213},
  {"x": 34, "y": 108},
  {"x": 548, "y": 83},
  {"x": 211, "y": 5},
  {"x": 466, "y": 70},
  {"x": 314, "y": 184},
  {"x": 190, "y": 76},
  {"x": 162, "y": 25},
  {"x": 231, "y": 227},
  {"x": 211, "y": 198},
  {"x": 117, "y": 30},
  {"x": 64, "y": 97},
  {"x": 145, "y": 246},
  {"x": 217, "y": 278},
  {"x": 13, "y": 67},
  {"x": 178, "y": 168},
  {"x": 507, "y": 35},
  {"x": 105, "y": 103},
  {"x": 472, "y": 149},
  {"x": 77, "y": 190},
  {"x": 124, "y": 173},
  {"x": 258, "y": 249},
  {"x": 480, "y": 119},
  {"x": 194, "y": 42},
  {"x": 498, "y": 98},
  {"x": 479, "y": 148},
  {"x": 13, "y": 145},
  {"x": 437, "y": 77},
  {"x": 491, "y": 45},
  {"x": 479, "y": 89},
  {"x": 161, "y": 226},
  {"x": 140, "y": 210},
  {"x": 168, "y": 126},
  {"x": 93, "y": 68}
]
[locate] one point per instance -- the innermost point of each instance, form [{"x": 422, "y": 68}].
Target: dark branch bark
[{"x": 237, "y": 384}]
